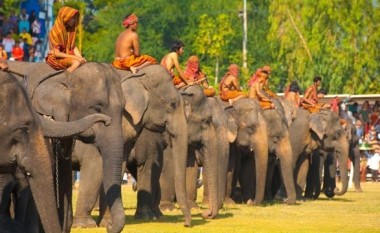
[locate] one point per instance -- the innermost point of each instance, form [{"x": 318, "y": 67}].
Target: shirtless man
[
  {"x": 170, "y": 61},
  {"x": 229, "y": 86},
  {"x": 256, "y": 91},
  {"x": 293, "y": 93},
  {"x": 127, "y": 48}
]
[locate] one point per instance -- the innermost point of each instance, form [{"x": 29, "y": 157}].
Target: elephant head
[
  {"x": 152, "y": 101},
  {"x": 92, "y": 88},
  {"x": 248, "y": 130},
  {"x": 22, "y": 144},
  {"x": 329, "y": 135}
]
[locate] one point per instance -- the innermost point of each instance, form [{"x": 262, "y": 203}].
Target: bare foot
[
  {"x": 133, "y": 69},
  {"x": 230, "y": 101}
]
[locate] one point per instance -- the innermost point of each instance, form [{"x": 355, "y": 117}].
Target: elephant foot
[
  {"x": 166, "y": 206},
  {"x": 205, "y": 200},
  {"x": 106, "y": 220},
  {"x": 193, "y": 205},
  {"x": 228, "y": 201},
  {"x": 84, "y": 222},
  {"x": 207, "y": 214},
  {"x": 291, "y": 201},
  {"x": 158, "y": 214},
  {"x": 144, "y": 213}
]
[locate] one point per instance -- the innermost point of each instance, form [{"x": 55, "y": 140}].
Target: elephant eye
[
  {"x": 206, "y": 122},
  {"x": 98, "y": 108},
  {"x": 251, "y": 129}
]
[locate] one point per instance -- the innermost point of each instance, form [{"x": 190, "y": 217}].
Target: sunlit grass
[{"x": 353, "y": 212}]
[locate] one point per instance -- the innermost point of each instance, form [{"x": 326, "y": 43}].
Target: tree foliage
[{"x": 338, "y": 40}]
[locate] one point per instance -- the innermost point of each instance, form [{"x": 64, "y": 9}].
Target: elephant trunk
[
  {"x": 342, "y": 154},
  {"x": 55, "y": 129},
  {"x": 111, "y": 149},
  {"x": 261, "y": 162},
  {"x": 40, "y": 178},
  {"x": 211, "y": 169},
  {"x": 177, "y": 128},
  {"x": 223, "y": 149}
]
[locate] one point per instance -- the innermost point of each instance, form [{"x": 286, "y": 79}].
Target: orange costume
[
  {"x": 259, "y": 83},
  {"x": 18, "y": 53},
  {"x": 124, "y": 63},
  {"x": 232, "y": 92},
  {"x": 62, "y": 39},
  {"x": 313, "y": 96},
  {"x": 194, "y": 74}
]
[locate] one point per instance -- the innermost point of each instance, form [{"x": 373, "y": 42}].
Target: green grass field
[{"x": 353, "y": 212}]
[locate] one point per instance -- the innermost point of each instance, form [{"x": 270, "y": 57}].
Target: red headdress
[
  {"x": 255, "y": 77},
  {"x": 192, "y": 68},
  {"x": 130, "y": 20}
]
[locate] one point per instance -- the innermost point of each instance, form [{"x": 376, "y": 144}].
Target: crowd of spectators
[
  {"x": 367, "y": 123},
  {"x": 20, "y": 36}
]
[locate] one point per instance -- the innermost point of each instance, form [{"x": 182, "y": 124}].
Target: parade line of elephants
[{"x": 104, "y": 121}]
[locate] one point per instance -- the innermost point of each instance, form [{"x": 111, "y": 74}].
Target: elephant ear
[
  {"x": 136, "y": 99},
  {"x": 317, "y": 123},
  {"x": 186, "y": 102}
]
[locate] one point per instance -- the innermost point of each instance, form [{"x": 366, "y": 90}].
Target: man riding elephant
[{"x": 229, "y": 86}]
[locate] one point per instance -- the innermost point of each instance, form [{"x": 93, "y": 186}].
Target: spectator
[
  {"x": 8, "y": 43},
  {"x": 23, "y": 15},
  {"x": 371, "y": 136},
  {"x": 17, "y": 52},
  {"x": 26, "y": 48},
  {"x": 13, "y": 20},
  {"x": 364, "y": 112},
  {"x": 37, "y": 52},
  {"x": 359, "y": 130},
  {"x": 23, "y": 23},
  {"x": 6, "y": 26},
  {"x": 335, "y": 105},
  {"x": 374, "y": 163},
  {"x": 3, "y": 54},
  {"x": 26, "y": 36},
  {"x": 31, "y": 19},
  {"x": 36, "y": 28}
]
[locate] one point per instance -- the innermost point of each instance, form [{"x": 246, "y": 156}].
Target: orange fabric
[
  {"x": 255, "y": 77},
  {"x": 265, "y": 104},
  {"x": 209, "y": 92},
  {"x": 62, "y": 39},
  {"x": 233, "y": 70},
  {"x": 131, "y": 19},
  {"x": 176, "y": 80},
  {"x": 231, "y": 95},
  {"x": 18, "y": 53},
  {"x": 313, "y": 109},
  {"x": 3, "y": 54},
  {"x": 192, "y": 71},
  {"x": 132, "y": 60}
]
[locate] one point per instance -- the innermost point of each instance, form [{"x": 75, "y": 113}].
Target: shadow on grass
[
  {"x": 196, "y": 219},
  {"x": 335, "y": 199}
]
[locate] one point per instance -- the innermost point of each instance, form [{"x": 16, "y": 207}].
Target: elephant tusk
[{"x": 251, "y": 150}]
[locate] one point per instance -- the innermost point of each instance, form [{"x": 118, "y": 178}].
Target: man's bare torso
[
  {"x": 167, "y": 60},
  {"x": 124, "y": 44}
]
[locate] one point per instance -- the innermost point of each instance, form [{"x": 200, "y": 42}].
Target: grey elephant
[
  {"x": 321, "y": 131},
  {"x": 327, "y": 164},
  {"x": 278, "y": 147},
  {"x": 202, "y": 139},
  {"x": 247, "y": 132},
  {"x": 63, "y": 96},
  {"x": 152, "y": 106},
  {"x": 26, "y": 159}
]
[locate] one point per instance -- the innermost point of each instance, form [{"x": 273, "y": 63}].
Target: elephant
[
  {"x": 310, "y": 132},
  {"x": 328, "y": 165},
  {"x": 152, "y": 106},
  {"x": 247, "y": 132},
  {"x": 279, "y": 147},
  {"x": 64, "y": 96},
  {"x": 202, "y": 138},
  {"x": 26, "y": 158}
]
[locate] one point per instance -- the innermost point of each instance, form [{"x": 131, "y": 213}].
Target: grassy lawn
[{"x": 353, "y": 212}]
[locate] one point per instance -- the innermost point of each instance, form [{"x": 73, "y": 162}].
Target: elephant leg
[
  {"x": 230, "y": 177},
  {"x": 7, "y": 184},
  {"x": 270, "y": 175},
  {"x": 148, "y": 147},
  {"x": 329, "y": 176},
  {"x": 91, "y": 172},
  {"x": 167, "y": 182},
  {"x": 313, "y": 186},
  {"x": 247, "y": 179},
  {"x": 191, "y": 179},
  {"x": 303, "y": 167}
]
